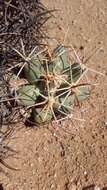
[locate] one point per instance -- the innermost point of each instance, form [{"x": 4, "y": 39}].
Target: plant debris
[{"x": 21, "y": 19}]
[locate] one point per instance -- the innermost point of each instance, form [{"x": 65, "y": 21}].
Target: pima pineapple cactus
[{"x": 53, "y": 86}]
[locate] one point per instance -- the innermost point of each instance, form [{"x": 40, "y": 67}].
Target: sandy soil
[{"x": 75, "y": 155}]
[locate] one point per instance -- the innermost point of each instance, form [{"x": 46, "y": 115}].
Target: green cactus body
[
  {"x": 34, "y": 69},
  {"x": 76, "y": 71},
  {"x": 42, "y": 116},
  {"x": 27, "y": 95},
  {"x": 66, "y": 104},
  {"x": 82, "y": 93},
  {"x": 60, "y": 61},
  {"x": 55, "y": 82}
]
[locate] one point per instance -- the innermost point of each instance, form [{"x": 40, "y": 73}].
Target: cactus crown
[{"x": 53, "y": 86}]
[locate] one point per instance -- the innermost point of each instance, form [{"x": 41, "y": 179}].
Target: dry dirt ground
[{"x": 75, "y": 154}]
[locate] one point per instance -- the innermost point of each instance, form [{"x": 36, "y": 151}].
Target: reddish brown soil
[{"x": 76, "y": 153}]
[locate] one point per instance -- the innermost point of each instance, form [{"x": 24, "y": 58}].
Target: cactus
[{"x": 53, "y": 86}]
